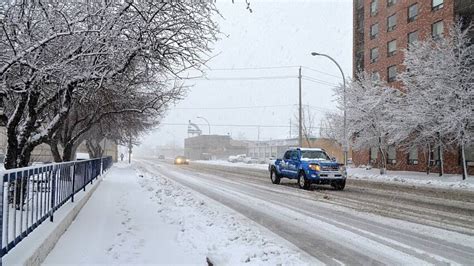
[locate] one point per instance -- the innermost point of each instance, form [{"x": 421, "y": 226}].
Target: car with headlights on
[
  {"x": 181, "y": 160},
  {"x": 308, "y": 166}
]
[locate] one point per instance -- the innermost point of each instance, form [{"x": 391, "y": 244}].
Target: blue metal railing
[{"x": 30, "y": 195}]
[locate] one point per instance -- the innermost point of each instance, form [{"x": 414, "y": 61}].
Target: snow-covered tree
[
  {"x": 367, "y": 103},
  {"x": 57, "y": 52},
  {"x": 332, "y": 124},
  {"x": 437, "y": 105}
]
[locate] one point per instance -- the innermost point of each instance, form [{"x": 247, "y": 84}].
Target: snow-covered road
[
  {"x": 139, "y": 218},
  {"x": 341, "y": 226}
]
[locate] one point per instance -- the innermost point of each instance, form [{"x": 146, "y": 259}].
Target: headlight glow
[
  {"x": 315, "y": 167},
  {"x": 342, "y": 169}
]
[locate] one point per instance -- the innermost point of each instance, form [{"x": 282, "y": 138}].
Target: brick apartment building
[{"x": 382, "y": 29}]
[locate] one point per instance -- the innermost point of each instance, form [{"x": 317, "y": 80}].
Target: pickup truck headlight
[
  {"x": 315, "y": 167},
  {"x": 342, "y": 169}
]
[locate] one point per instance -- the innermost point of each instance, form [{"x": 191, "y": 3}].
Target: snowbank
[
  {"x": 215, "y": 231},
  {"x": 414, "y": 178},
  {"x": 238, "y": 164}
]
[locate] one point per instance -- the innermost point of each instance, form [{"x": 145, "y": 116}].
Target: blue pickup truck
[{"x": 308, "y": 166}]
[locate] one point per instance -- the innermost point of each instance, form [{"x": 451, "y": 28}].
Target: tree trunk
[
  {"x": 428, "y": 163},
  {"x": 94, "y": 148},
  {"x": 463, "y": 157},
  {"x": 383, "y": 165},
  {"x": 68, "y": 152},
  {"x": 441, "y": 160},
  {"x": 55, "y": 151}
]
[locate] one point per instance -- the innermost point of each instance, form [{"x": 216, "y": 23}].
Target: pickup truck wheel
[
  {"x": 339, "y": 185},
  {"x": 302, "y": 181},
  {"x": 274, "y": 177}
]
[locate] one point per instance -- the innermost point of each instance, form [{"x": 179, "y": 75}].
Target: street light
[
  {"x": 209, "y": 125},
  {"x": 344, "y": 100}
]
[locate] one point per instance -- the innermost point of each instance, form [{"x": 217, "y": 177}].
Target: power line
[
  {"x": 274, "y": 67},
  {"x": 321, "y": 109},
  {"x": 252, "y": 68},
  {"x": 234, "y": 107},
  {"x": 319, "y": 81},
  {"x": 322, "y": 72},
  {"x": 232, "y": 125},
  {"x": 245, "y": 78}
]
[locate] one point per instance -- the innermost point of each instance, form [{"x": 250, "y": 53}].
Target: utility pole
[{"x": 300, "y": 117}]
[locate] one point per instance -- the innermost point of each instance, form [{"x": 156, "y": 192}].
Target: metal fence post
[
  {"x": 84, "y": 175},
  {"x": 1, "y": 217},
  {"x": 53, "y": 194},
  {"x": 73, "y": 181}
]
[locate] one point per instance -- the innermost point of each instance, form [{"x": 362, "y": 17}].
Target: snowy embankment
[
  {"x": 212, "y": 230},
  {"x": 413, "y": 178},
  {"x": 238, "y": 164}
]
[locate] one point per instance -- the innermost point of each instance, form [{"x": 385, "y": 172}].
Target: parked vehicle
[
  {"x": 308, "y": 166},
  {"x": 237, "y": 158},
  {"x": 250, "y": 160},
  {"x": 181, "y": 160}
]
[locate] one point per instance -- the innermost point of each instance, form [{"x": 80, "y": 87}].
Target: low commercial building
[
  {"x": 207, "y": 147},
  {"x": 274, "y": 148}
]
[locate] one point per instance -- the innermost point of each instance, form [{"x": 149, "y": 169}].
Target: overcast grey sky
[{"x": 276, "y": 34}]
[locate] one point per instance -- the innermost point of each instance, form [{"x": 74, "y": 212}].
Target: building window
[
  {"x": 375, "y": 77},
  {"x": 373, "y": 155},
  {"x": 392, "y": 22},
  {"x": 374, "y": 31},
  {"x": 469, "y": 154},
  {"x": 374, "y": 54},
  {"x": 412, "y": 38},
  {"x": 437, "y": 4},
  {"x": 391, "y": 155},
  {"x": 437, "y": 29},
  {"x": 413, "y": 156},
  {"x": 374, "y": 7},
  {"x": 391, "y": 73},
  {"x": 435, "y": 157},
  {"x": 412, "y": 12},
  {"x": 391, "y": 48},
  {"x": 391, "y": 2}
]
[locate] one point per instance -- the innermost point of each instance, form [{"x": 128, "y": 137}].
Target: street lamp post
[
  {"x": 344, "y": 100},
  {"x": 209, "y": 125}
]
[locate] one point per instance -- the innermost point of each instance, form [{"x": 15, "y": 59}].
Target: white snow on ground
[
  {"x": 413, "y": 178},
  {"x": 238, "y": 164},
  {"x": 120, "y": 225},
  {"x": 345, "y": 234},
  {"x": 140, "y": 218},
  {"x": 217, "y": 232}
]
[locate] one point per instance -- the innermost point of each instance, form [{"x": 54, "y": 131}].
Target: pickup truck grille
[{"x": 329, "y": 168}]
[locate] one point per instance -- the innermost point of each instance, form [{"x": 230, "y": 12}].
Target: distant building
[
  {"x": 206, "y": 147},
  {"x": 276, "y": 148},
  {"x": 169, "y": 151},
  {"x": 381, "y": 30}
]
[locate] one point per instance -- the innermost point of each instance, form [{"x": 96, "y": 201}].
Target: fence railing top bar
[{"x": 33, "y": 167}]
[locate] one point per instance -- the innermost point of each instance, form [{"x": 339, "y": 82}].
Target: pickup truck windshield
[{"x": 318, "y": 155}]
